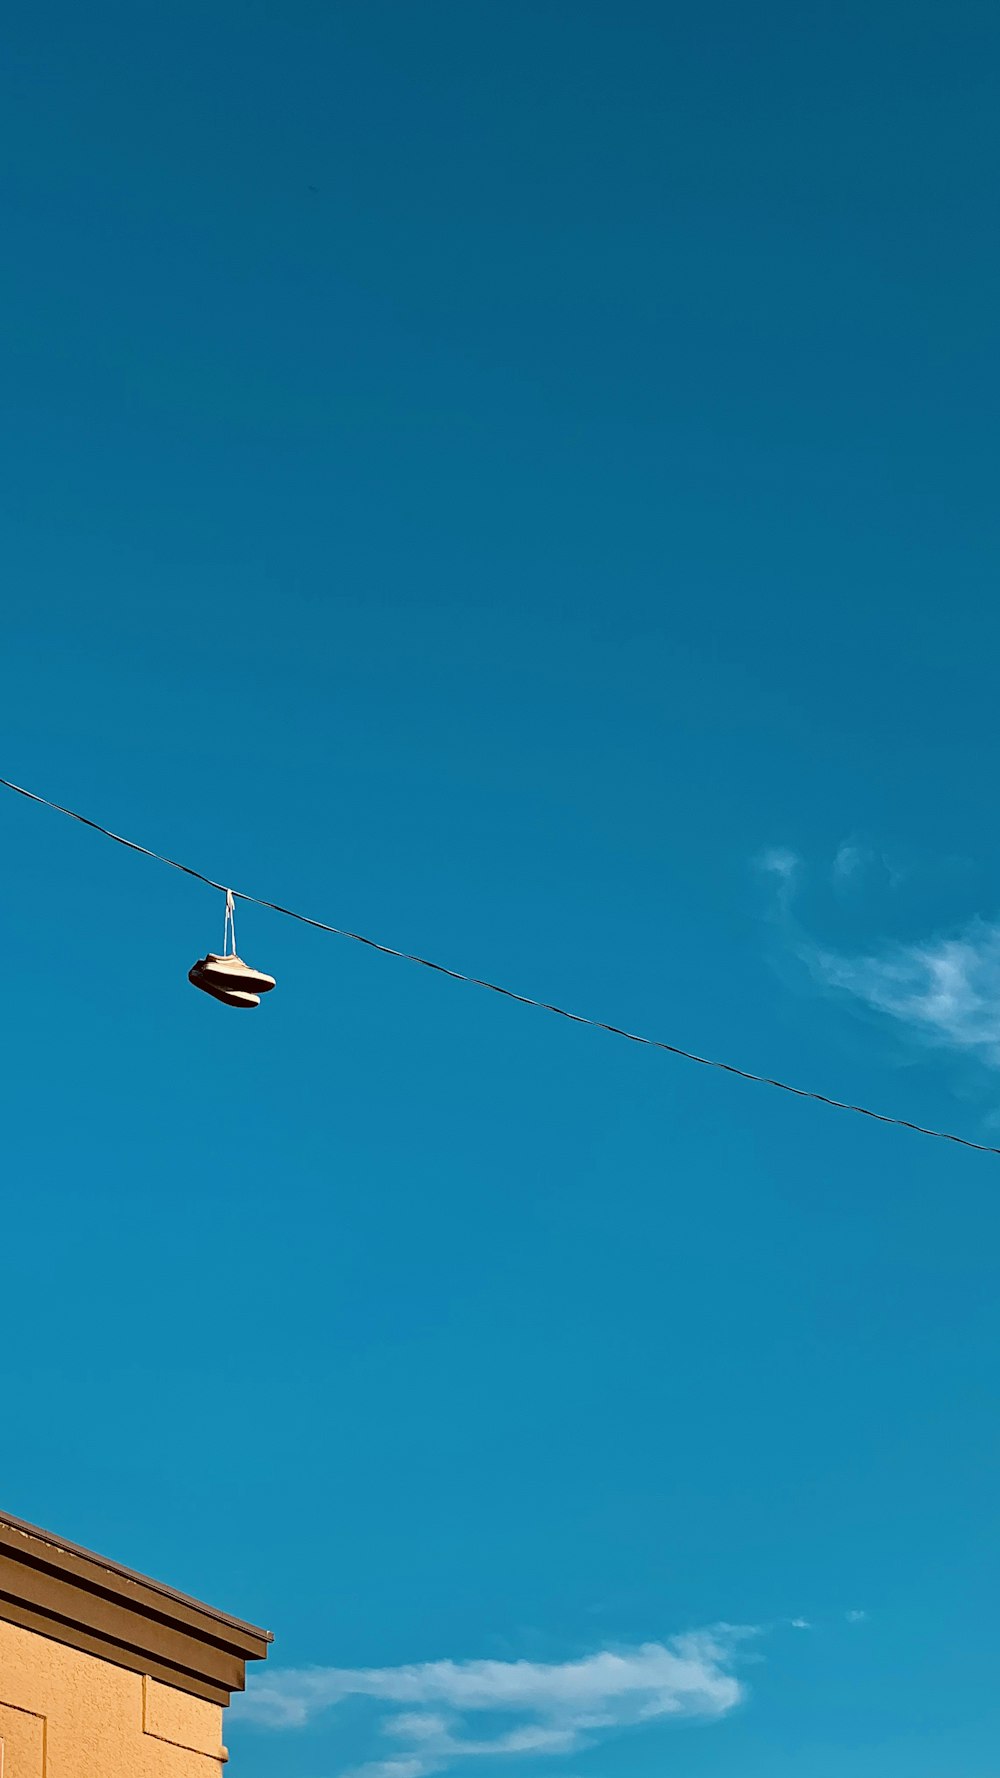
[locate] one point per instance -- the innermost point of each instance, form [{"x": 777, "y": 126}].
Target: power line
[{"x": 475, "y": 981}]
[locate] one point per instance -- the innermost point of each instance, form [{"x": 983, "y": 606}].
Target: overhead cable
[{"x": 475, "y": 981}]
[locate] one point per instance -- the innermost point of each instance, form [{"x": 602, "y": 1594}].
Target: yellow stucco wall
[{"x": 65, "y": 1714}]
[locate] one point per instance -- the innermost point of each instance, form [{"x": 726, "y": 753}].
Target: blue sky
[{"x": 518, "y": 481}]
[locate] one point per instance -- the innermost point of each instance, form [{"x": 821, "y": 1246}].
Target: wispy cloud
[
  {"x": 552, "y": 1708},
  {"x": 780, "y": 861},
  {"x": 849, "y": 860},
  {"x": 783, "y": 865},
  {"x": 856, "y": 1617},
  {"x": 946, "y": 989},
  {"x": 800, "y": 1623},
  {"x": 391, "y": 1768}
]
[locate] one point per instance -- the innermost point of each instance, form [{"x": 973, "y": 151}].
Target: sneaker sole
[
  {"x": 228, "y": 996},
  {"x": 253, "y": 982}
]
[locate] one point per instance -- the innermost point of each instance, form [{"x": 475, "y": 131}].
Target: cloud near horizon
[{"x": 429, "y": 1710}]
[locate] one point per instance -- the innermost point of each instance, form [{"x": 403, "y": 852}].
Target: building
[{"x": 105, "y": 1673}]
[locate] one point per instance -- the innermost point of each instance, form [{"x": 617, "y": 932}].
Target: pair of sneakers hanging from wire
[{"x": 227, "y": 977}]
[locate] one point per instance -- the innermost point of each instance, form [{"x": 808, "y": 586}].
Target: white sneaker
[
  {"x": 231, "y": 974},
  {"x": 228, "y": 996}
]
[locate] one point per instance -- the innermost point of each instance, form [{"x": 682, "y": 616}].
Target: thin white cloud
[
  {"x": 800, "y": 1623},
  {"x": 391, "y": 1768},
  {"x": 855, "y": 1617},
  {"x": 779, "y": 861},
  {"x": 849, "y": 860},
  {"x": 783, "y": 865},
  {"x": 947, "y": 989},
  {"x": 553, "y": 1707}
]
